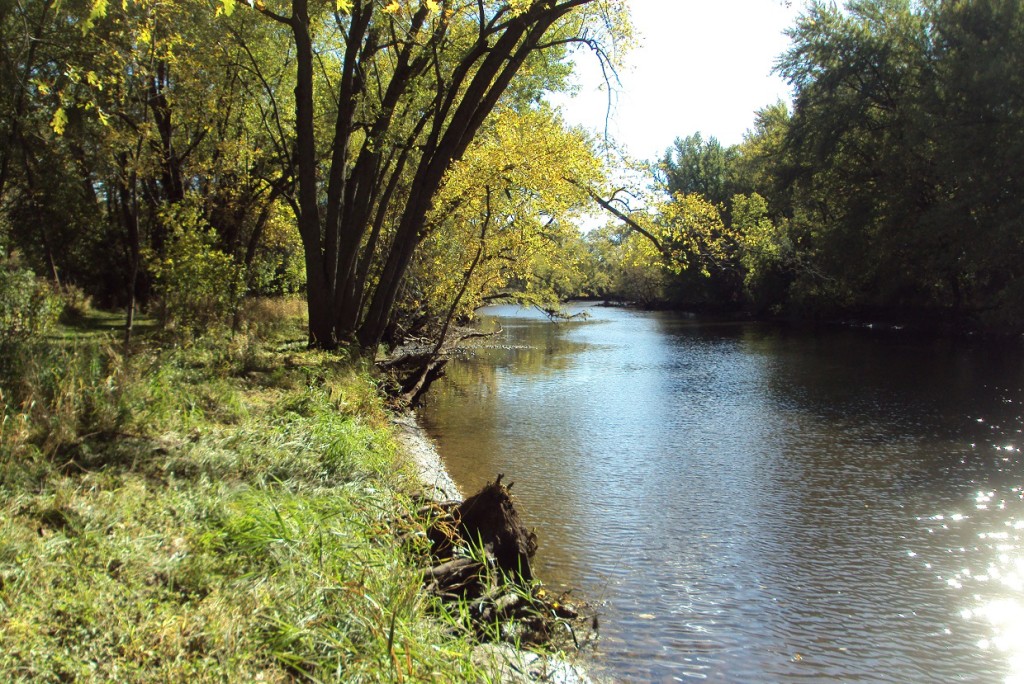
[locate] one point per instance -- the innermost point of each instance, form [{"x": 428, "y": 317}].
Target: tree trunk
[
  {"x": 319, "y": 290},
  {"x": 351, "y": 289},
  {"x": 130, "y": 221}
]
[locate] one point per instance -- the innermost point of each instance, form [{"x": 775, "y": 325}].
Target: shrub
[
  {"x": 28, "y": 305},
  {"x": 75, "y": 303},
  {"x": 269, "y": 316},
  {"x": 198, "y": 284}
]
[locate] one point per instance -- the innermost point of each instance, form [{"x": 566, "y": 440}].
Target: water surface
[{"x": 748, "y": 503}]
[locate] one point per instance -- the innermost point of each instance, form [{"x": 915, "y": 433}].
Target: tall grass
[{"x": 221, "y": 511}]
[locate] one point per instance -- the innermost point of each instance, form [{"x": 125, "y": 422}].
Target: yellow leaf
[
  {"x": 99, "y": 10},
  {"x": 59, "y": 122},
  {"x": 432, "y": 6},
  {"x": 392, "y": 8}
]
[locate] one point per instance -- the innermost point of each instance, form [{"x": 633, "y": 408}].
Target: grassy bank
[{"x": 221, "y": 510}]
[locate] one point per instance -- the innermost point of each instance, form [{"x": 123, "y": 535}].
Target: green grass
[{"x": 219, "y": 511}]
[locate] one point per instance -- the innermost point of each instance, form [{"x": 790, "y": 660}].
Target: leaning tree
[{"x": 383, "y": 110}]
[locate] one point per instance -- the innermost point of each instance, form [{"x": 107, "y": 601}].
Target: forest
[{"x": 891, "y": 189}]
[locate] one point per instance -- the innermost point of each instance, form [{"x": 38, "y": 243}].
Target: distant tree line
[{"x": 894, "y": 188}]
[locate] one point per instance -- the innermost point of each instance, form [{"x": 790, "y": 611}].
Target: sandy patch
[{"x": 423, "y": 454}]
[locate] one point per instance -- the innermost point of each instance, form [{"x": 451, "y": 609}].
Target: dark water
[{"x": 750, "y": 504}]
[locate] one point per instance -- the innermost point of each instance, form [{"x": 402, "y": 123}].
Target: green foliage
[
  {"x": 597, "y": 256},
  {"x": 113, "y": 112},
  {"x": 53, "y": 392},
  {"x": 761, "y": 162},
  {"x": 766, "y": 250},
  {"x": 892, "y": 189},
  {"x": 221, "y": 512},
  {"x": 694, "y": 166},
  {"x": 267, "y": 317},
  {"x": 29, "y": 307},
  {"x": 692, "y": 234},
  {"x": 198, "y": 285},
  {"x": 893, "y": 185},
  {"x": 505, "y": 219},
  {"x": 641, "y": 275},
  {"x": 907, "y": 124},
  {"x": 278, "y": 268},
  {"x": 677, "y": 251}
]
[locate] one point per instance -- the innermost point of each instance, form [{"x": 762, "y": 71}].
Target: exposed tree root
[{"x": 481, "y": 554}]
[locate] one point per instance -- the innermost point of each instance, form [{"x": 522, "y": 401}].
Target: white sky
[{"x": 701, "y": 65}]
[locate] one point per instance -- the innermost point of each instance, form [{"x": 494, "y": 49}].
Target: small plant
[
  {"x": 75, "y": 303},
  {"x": 267, "y": 317}
]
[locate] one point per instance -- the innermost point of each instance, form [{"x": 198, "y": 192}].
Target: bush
[
  {"x": 28, "y": 305},
  {"x": 198, "y": 284},
  {"x": 266, "y": 317},
  {"x": 75, "y": 303}
]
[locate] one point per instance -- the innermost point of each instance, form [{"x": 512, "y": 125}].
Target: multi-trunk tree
[{"x": 406, "y": 91}]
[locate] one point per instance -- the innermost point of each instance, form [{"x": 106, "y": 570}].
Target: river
[{"x": 750, "y": 503}]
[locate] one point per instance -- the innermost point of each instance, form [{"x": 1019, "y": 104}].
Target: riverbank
[
  {"x": 224, "y": 509},
  {"x": 508, "y": 664},
  {"x": 234, "y": 508},
  {"x": 424, "y": 457}
]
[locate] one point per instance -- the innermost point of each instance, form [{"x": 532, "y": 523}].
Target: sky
[{"x": 702, "y": 65}]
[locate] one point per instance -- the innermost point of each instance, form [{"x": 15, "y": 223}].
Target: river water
[{"x": 747, "y": 503}]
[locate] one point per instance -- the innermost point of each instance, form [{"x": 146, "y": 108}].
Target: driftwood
[
  {"x": 455, "y": 578},
  {"x": 496, "y": 582},
  {"x": 415, "y": 385},
  {"x": 489, "y": 518},
  {"x": 415, "y": 366}
]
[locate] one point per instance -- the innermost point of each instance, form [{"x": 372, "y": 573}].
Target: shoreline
[
  {"x": 510, "y": 665},
  {"x": 420, "y": 450}
]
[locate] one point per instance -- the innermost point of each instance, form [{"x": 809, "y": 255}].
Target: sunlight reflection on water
[
  {"x": 753, "y": 504},
  {"x": 991, "y": 585}
]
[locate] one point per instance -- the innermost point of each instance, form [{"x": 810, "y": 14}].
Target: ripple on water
[{"x": 752, "y": 504}]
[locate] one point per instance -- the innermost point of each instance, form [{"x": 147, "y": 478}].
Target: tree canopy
[
  {"x": 893, "y": 186},
  {"x": 408, "y": 94},
  {"x": 137, "y": 124},
  {"x": 396, "y": 161}
]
